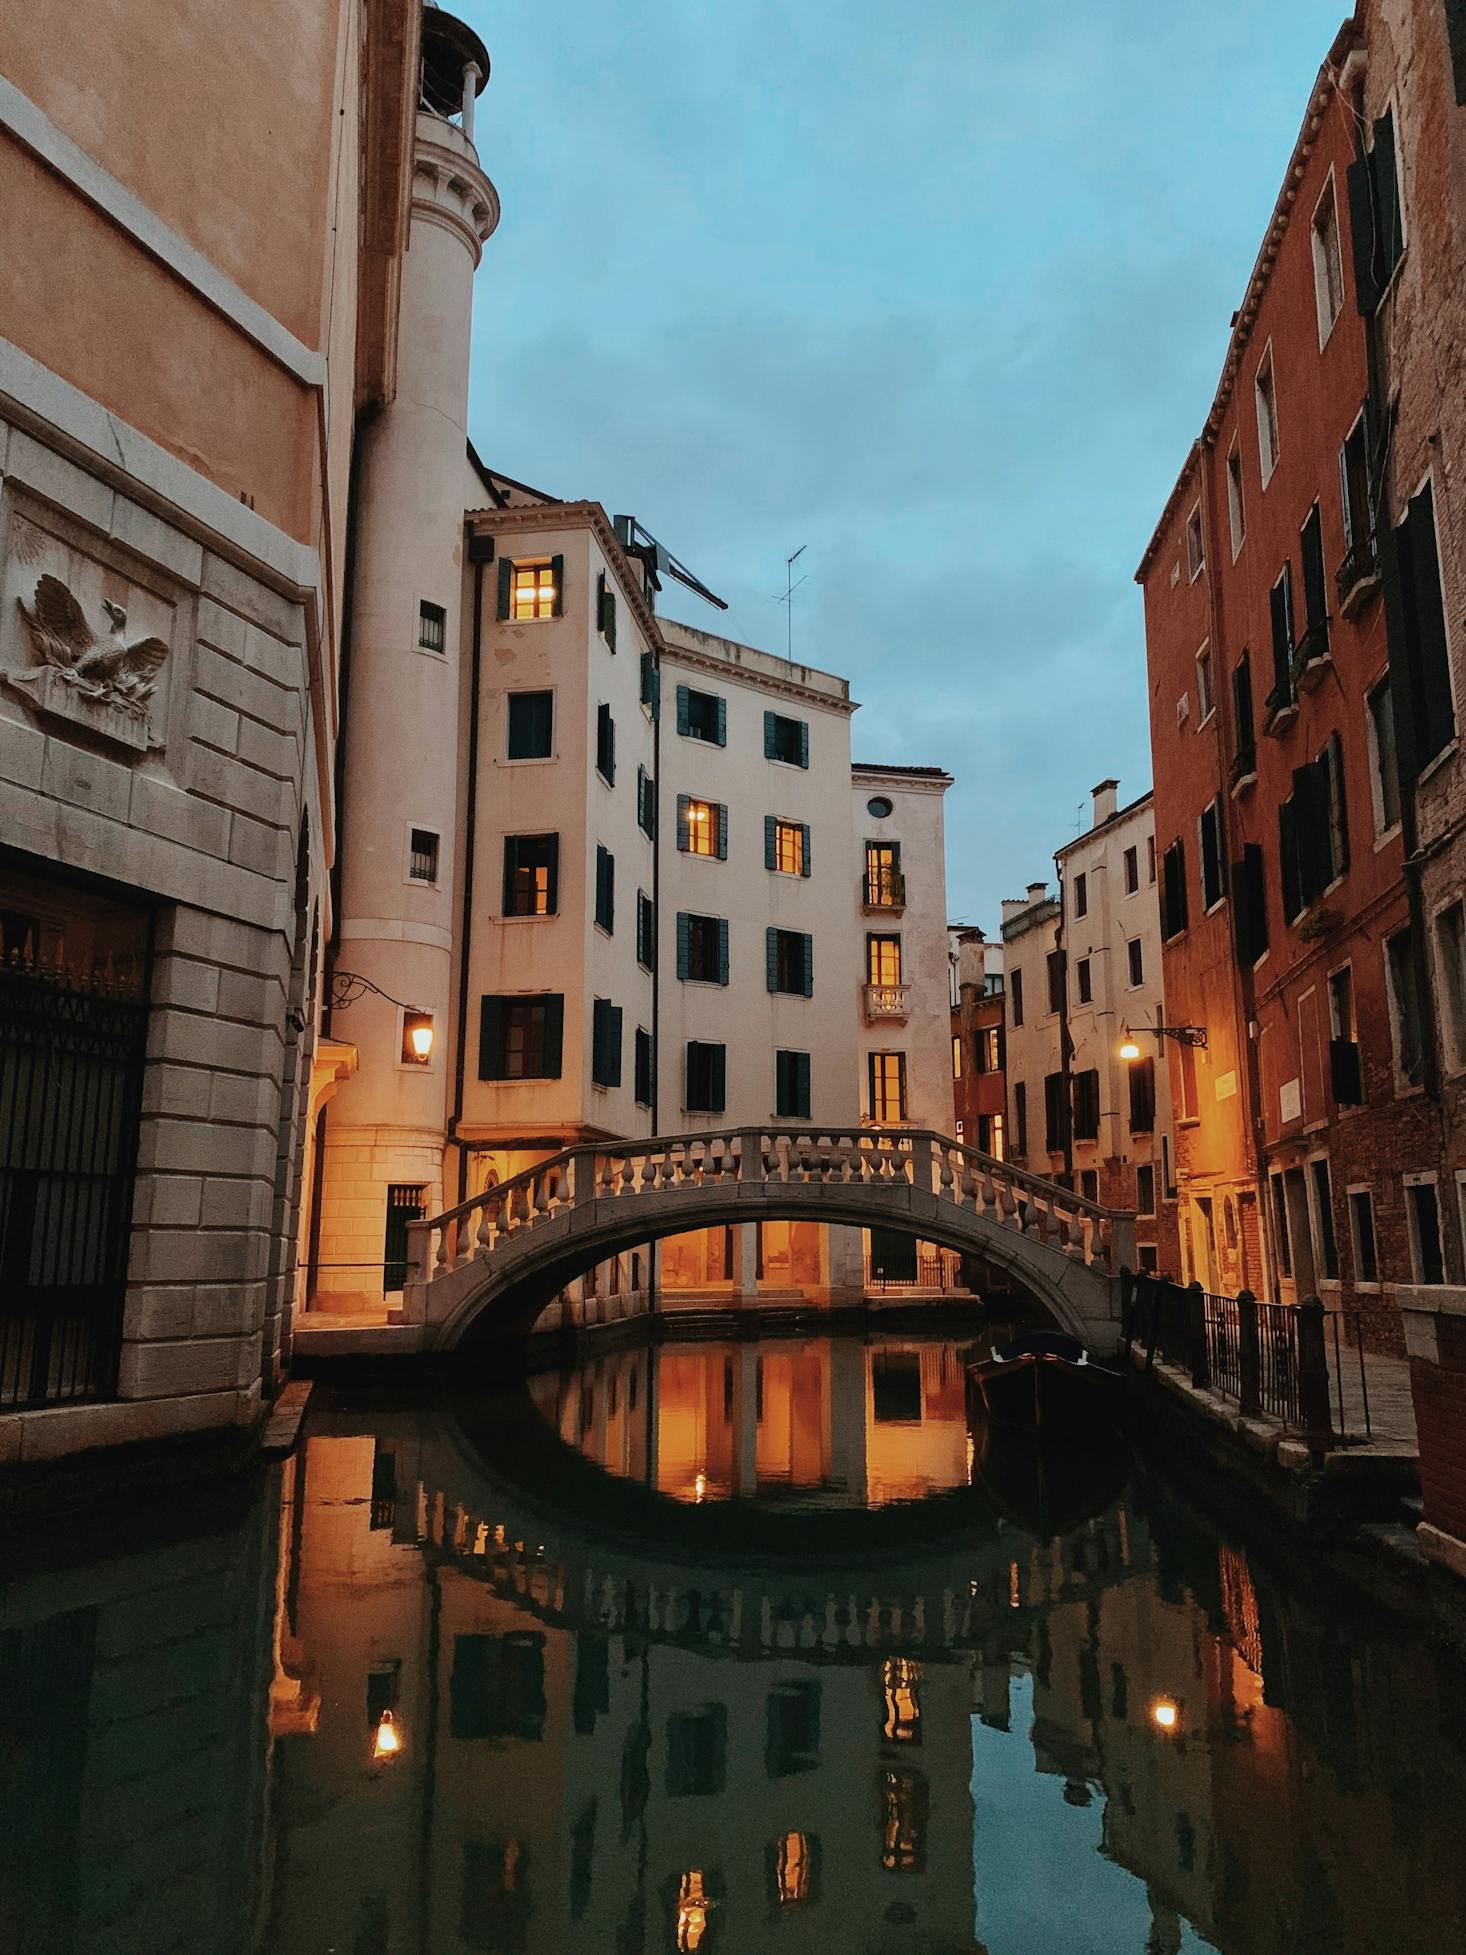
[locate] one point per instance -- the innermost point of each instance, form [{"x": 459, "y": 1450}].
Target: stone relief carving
[{"x": 101, "y": 680}]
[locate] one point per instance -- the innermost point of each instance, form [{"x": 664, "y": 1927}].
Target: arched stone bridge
[{"x": 493, "y": 1263}]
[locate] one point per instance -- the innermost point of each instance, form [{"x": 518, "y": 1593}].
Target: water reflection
[{"x": 450, "y": 1687}]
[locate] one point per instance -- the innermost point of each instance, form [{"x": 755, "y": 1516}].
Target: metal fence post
[
  {"x": 1313, "y": 1374},
  {"x": 1249, "y": 1353},
  {"x": 1196, "y": 1332}
]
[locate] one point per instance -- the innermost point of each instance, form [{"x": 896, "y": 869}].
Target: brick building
[
  {"x": 978, "y": 1041},
  {"x": 1308, "y": 1140}
]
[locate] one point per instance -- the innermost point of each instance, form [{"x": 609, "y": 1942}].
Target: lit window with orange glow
[
  {"x": 789, "y": 848},
  {"x": 793, "y": 1868},
  {"x": 702, "y": 828},
  {"x": 901, "y": 1680},
  {"x": 694, "y": 1906},
  {"x": 532, "y": 591}
]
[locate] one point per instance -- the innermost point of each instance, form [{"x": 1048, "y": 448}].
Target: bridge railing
[{"x": 844, "y": 1157}]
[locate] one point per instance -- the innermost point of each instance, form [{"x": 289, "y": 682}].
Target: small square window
[
  {"x": 531, "y": 725},
  {"x": 786, "y": 739},
  {"x": 1145, "y": 1189},
  {"x": 1265, "y": 389},
  {"x": 702, "y": 716},
  {"x": 789, "y": 848},
  {"x": 1362, "y": 1236},
  {"x": 1195, "y": 550},
  {"x": 422, "y": 855},
  {"x": 532, "y": 591},
  {"x": 1083, "y": 982},
  {"x": 1423, "y": 1208},
  {"x": 702, "y": 825},
  {"x": 432, "y": 627},
  {"x": 531, "y": 871},
  {"x": 1081, "y": 895},
  {"x": 791, "y": 1085},
  {"x": 1135, "y": 952},
  {"x": 882, "y": 959},
  {"x": 1132, "y": 871},
  {"x": 706, "y": 1071}
]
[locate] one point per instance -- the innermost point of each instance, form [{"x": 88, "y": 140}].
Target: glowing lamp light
[
  {"x": 387, "y": 1741},
  {"x": 1129, "y": 1048},
  {"x": 1165, "y": 1713},
  {"x": 417, "y": 1037}
]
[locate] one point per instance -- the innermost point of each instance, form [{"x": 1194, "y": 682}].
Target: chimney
[
  {"x": 1106, "y": 801},
  {"x": 1037, "y": 891}
]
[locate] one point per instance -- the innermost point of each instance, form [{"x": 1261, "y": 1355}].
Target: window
[
  {"x": 1015, "y": 994},
  {"x": 531, "y": 875},
  {"x": 878, "y": 806},
  {"x": 1086, "y": 1105},
  {"x": 1328, "y": 266},
  {"x": 1020, "y": 1117},
  {"x": 405, "y": 1203},
  {"x": 791, "y": 1085},
  {"x": 786, "y": 846},
  {"x": 1374, "y": 216},
  {"x": 605, "y": 888},
  {"x": 1213, "y": 855},
  {"x": 1315, "y": 640},
  {"x": 956, "y": 1056},
  {"x": 1206, "y": 703},
  {"x": 1054, "y": 966},
  {"x": 702, "y": 827},
  {"x": 1429, "y": 721},
  {"x": 702, "y": 716},
  {"x": 885, "y": 886},
  {"x": 987, "y": 1049},
  {"x": 422, "y": 855},
  {"x": 1195, "y": 551},
  {"x": 1089, "y": 1184},
  {"x": 1145, "y": 1188},
  {"x": 1362, "y": 1236},
  {"x": 1082, "y": 981},
  {"x": 792, "y": 1729},
  {"x": 1135, "y": 955},
  {"x": 1313, "y": 830},
  {"x": 432, "y": 627},
  {"x": 650, "y": 692},
  {"x": 531, "y": 590},
  {"x": 990, "y": 1135},
  {"x": 1383, "y": 771},
  {"x": 1150, "y": 860},
  {"x": 606, "y": 610},
  {"x": 1249, "y": 894},
  {"x": 1132, "y": 871},
  {"x": 1427, "y": 1262},
  {"x": 1323, "y": 1220},
  {"x": 646, "y": 803},
  {"x": 1345, "y": 1076},
  {"x": 1186, "y": 1069},
  {"x": 1081, "y": 895},
  {"x": 1356, "y": 503},
  {"x": 886, "y": 1076},
  {"x": 1056, "y": 1112},
  {"x": 1280, "y": 611},
  {"x": 520, "y": 1036},
  {"x": 882, "y": 959},
  {"x": 702, "y": 948},
  {"x": 646, "y": 931},
  {"x": 786, "y": 740},
  {"x": 1405, "y": 1006},
  {"x": 1244, "y": 760},
  {"x": 704, "y": 1089},
  {"x": 605, "y": 744},
  {"x": 1236, "y": 507},
  {"x": 1173, "y": 891},
  {"x": 697, "y": 1752},
  {"x": 1267, "y": 415},
  {"x": 643, "y": 1066},
  {"x": 790, "y": 957},
  {"x": 605, "y": 1043},
  {"x": 1450, "y": 940},
  {"x": 1280, "y": 1225},
  {"x": 531, "y": 725},
  {"x": 1168, "y": 1179}
]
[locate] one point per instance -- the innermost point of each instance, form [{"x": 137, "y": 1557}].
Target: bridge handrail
[{"x": 555, "y": 1181}]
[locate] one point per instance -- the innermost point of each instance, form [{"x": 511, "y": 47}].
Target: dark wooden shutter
[
  {"x": 1345, "y": 1073},
  {"x": 771, "y": 957},
  {"x": 1142, "y": 1095},
  {"x": 1242, "y": 706},
  {"x": 611, "y": 1045},
  {"x": 491, "y": 1039},
  {"x": 771, "y": 735},
  {"x": 1288, "y": 861},
  {"x": 771, "y": 842},
  {"x": 554, "y": 1034},
  {"x": 1386, "y": 195},
  {"x": 1430, "y": 716},
  {"x": 1249, "y": 897},
  {"x": 684, "y": 717},
  {"x": 684, "y": 827},
  {"x": 684, "y": 943},
  {"x": 717, "y": 1078},
  {"x": 1280, "y": 608},
  {"x": 722, "y": 721},
  {"x": 801, "y": 1085},
  {"x": 1362, "y": 237},
  {"x": 1337, "y": 806},
  {"x": 804, "y": 830},
  {"x": 511, "y": 866},
  {"x": 1315, "y": 585},
  {"x": 722, "y": 950},
  {"x": 720, "y": 809},
  {"x": 557, "y": 571},
  {"x": 506, "y": 574},
  {"x": 808, "y": 965},
  {"x": 804, "y": 743}
]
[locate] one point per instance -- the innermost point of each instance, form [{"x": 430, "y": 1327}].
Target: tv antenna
[{"x": 791, "y": 585}]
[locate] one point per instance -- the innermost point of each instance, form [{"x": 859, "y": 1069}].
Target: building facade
[{"x": 979, "y": 1041}]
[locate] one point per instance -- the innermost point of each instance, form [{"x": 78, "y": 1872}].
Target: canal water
[{"x": 735, "y": 1648}]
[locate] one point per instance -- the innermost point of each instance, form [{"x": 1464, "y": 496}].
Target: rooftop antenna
[{"x": 791, "y": 585}]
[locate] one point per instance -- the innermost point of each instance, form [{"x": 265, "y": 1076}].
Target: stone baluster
[{"x": 750, "y": 1154}]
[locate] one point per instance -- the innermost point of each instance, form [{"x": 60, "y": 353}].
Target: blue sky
[{"x": 940, "y": 291}]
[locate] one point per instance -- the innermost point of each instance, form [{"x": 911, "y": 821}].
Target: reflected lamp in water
[
  {"x": 1165, "y": 1714},
  {"x": 387, "y": 1738}
]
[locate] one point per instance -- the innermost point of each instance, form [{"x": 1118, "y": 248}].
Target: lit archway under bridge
[{"x": 490, "y": 1266}]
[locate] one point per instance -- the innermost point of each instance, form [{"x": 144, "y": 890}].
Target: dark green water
[{"x": 736, "y": 1649}]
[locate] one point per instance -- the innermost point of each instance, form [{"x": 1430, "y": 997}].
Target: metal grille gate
[{"x": 71, "y": 1066}]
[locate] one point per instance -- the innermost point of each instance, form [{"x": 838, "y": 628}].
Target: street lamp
[
  {"x": 417, "y": 1026},
  {"x": 387, "y": 1741},
  {"x": 1182, "y": 1034}
]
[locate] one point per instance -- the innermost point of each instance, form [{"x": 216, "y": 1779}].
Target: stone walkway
[{"x": 1391, "y": 1408}]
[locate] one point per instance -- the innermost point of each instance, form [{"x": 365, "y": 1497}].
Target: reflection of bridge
[{"x": 497, "y": 1260}]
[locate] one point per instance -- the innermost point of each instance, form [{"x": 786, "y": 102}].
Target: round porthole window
[{"x": 878, "y": 806}]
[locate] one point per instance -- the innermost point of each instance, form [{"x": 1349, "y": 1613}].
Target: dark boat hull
[{"x": 1068, "y": 1403}]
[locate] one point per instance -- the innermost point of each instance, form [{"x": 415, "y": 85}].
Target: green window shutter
[
  {"x": 801, "y": 1084},
  {"x": 511, "y": 863},
  {"x": 684, "y": 936},
  {"x": 808, "y": 965},
  {"x": 646, "y": 678},
  {"x": 770, "y": 723},
  {"x": 722, "y": 721},
  {"x": 553, "y": 878},
  {"x": 771, "y": 844},
  {"x": 804, "y": 743},
  {"x": 611, "y": 750},
  {"x": 491, "y": 1039},
  {"x": 557, "y": 571},
  {"x": 684, "y": 828},
  {"x": 554, "y": 1034},
  {"x": 804, "y": 830},
  {"x": 722, "y": 808},
  {"x": 656, "y": 691},
  {"x": 718, "y": 1079},
  {"x": 771, "y": 956},
  {"x": 870, "y": 1084},
  {"x": 506, "y": 571},
  {"x": 722, "y": 950},
  {"x": 684, "y": 722}
]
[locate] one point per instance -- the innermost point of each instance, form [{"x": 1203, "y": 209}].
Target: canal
[{"x": 720, "y": 1647}]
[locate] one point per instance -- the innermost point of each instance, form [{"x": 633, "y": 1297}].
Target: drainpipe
[{"x": 480, "y": 552}]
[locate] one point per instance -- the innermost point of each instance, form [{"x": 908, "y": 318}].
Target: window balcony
[
  {"x": 1281, "y": 708},
  {"x": 885, "y": 890},
  {"x": 1243, "y": 771},
  {"x": 885, "y": 1003},
  {"x": 1310, "y": 656},
  {"x": 1357, "y": 576}
]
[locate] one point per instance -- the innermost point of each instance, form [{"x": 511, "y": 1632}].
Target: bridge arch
[{"x": 491, "y": 1265}]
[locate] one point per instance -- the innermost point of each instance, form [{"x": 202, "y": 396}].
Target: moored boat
[{"x": 1044, "y": 1382}]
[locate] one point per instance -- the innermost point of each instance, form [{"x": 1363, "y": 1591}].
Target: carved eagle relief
[{"x": 122, "y": 672}]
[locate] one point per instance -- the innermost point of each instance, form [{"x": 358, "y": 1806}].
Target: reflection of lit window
[
  {"x": 693, "y": 1909},
  {"x": 792, "y": 1868},
  {"x": 901, "y": 1676},
  {"x": 1015, "y": 1593},
  {"x": 903, "y": 1822}
]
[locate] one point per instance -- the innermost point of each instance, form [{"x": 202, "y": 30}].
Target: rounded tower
[{"x": 385, "y": 1130}]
